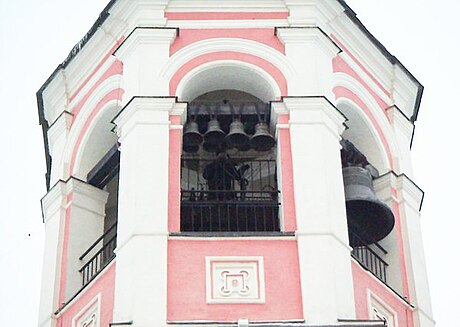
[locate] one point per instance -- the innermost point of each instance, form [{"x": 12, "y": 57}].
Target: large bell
[
  {"x": 214, "y": 134},
  {"x": 369, "y": 219},
  {"x": 192, "y": 135},
  {"x": 236, "y": 137},
  {"x": 262, "y": 140}
]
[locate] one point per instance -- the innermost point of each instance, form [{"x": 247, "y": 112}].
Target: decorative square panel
[
  {"x": 89, "y": 315},
  {"x": 235, "y": 280},
  {"x": 379, "y": 310}
]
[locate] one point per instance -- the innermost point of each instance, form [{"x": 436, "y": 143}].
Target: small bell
[
  {"x": 244, "y": 147},
  {"x": 214, "y": 134},
  {"x": 237, "y": 137},
  {"x": 192, "y": 135},
  {"x": 213, "y": 148},
  {"x": 262, "y": 140},
  {"x": 190, "y": 148}
]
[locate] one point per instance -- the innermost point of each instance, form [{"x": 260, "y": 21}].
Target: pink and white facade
[{"x": 113, "y": 116}]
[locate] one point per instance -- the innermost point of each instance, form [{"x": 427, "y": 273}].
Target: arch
[
  {"x": 362, "y": 135},
  {"x": 97, "y": 113},
  {"x": 235, "y": 45},
  {"x": 369, "y": 127},
  {"x": 228, "y": 74},
  {"x": 97, "y": 139}
]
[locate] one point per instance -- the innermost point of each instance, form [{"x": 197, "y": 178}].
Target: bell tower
[{"x": 231, "y": 163}]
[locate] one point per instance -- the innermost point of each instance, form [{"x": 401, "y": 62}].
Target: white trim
[
  {"x": 373, "y": 301},
  {"x": 96, "y": 301},
  {"x": 227, "y": 24},
  {"x": 254, "y": 48}
]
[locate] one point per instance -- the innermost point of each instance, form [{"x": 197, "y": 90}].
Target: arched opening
[
  {"x": 98, "y": 164},
  {"x": 370, "y": 220},
  {"x": 228, "y": 171}
]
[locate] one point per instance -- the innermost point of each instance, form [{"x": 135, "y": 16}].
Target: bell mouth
[
  {"x": 369, "y": 219},
  {"x": 236, "y": 140}
]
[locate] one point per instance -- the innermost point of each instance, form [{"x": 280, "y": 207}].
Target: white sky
[{"x": 35, "y": 36}]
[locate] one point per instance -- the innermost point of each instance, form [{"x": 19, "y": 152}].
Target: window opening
[{"x": 228, "y": 169}]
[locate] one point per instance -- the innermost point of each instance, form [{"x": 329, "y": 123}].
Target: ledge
[{"x": 231, "y": 234}]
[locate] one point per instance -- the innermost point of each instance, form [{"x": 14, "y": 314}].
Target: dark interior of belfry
[{"x": 228, "y": 169}]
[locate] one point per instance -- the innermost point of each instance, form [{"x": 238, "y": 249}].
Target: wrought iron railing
[
  {"x": 101, "y": 254},
  {"x": 229, "y": 195},
  {"x": 368, "y": 257}
]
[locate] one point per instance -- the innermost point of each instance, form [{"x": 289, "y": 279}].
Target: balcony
[
  {"x": 229, "y": 195},
  {"x": 98, "y": 255},
  {"x": 368, "y": 257}
]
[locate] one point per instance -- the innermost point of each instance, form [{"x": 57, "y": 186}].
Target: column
[
  {"x": 144, "y": 52},
  {"x": 403, "y": 129},
  {"x": 73, "y": 213},
  {"x": 53, "y": 209},
  {"x": 57, "y": 137},
  {"x": 322, "y": 233},
  {"x": 410, "y": 197},
  {"x": 141, "y": 271}
]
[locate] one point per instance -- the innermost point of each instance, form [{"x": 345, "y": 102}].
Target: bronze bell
[
  {"x": 369, "y": 218},
  {"x": 244, "y": 147},
  {"x": 237, "y": 137},
  {"x": 192, "y": 135},
  {"x": 214, "y": 134},
  {"x": 262, "y": 140}
]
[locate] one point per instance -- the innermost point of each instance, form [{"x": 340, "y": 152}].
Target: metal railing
[
  {"x": 368, "y": 257},
  {"x": 230, "y": 195},
  {"x": 102, "y": 256}
]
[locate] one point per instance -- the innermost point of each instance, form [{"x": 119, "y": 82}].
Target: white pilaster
[
  {"x": 324, "y": 253},
  {"x": 86, "y": 225},
  {"x": 82, "y": 206},
  {"x": 53, "y": 208},
  {"x": 403, "y": 130},
  {"x": 310, "y": 52},
  {"x": 144, "y": 53},
  {"x": 141, "y": 271},
  {"x": 410, "y": 197},
  {"x": 57, "y": 137}
]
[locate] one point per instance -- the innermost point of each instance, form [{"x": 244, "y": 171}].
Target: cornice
[
  {"x": 147, "y": 110},
  {"x": 307, "y": 34},
  {"x": 400, "y": 121},
  {"x": 60, "y": 126},
  {"x": 226, "y": 6},
  {"x": 145, "y": 36},
  {"x": 311, "y": 110},
  {"x": 407, "y": 190}
]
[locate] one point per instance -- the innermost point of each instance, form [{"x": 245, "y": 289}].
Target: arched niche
[
  {"x": 362, "y": 134},
  {"x": 228, "y": 75},
  {"x": 98, "y": 139}
]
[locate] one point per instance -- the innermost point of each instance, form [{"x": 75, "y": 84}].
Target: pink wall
[
  {"x": 364, "y": 281},
  {"x": 287, "y": 177},
  {"x": 175, "y": 151},
  {"x": 262, "y": 35},
  {"x": 105, "y": 285},
  {"x": 187, "y": 280}
]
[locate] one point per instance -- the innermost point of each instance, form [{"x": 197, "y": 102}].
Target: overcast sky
[{"x": 35, "y": 36}]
